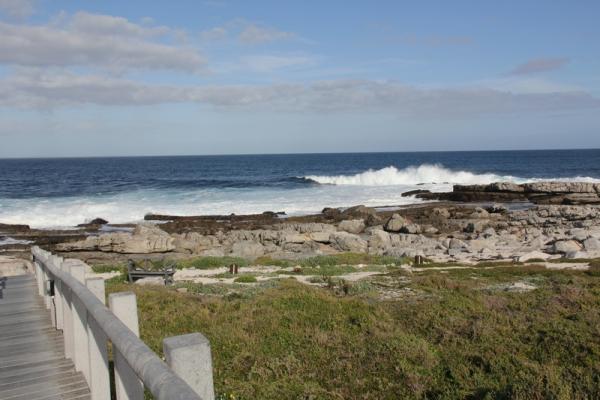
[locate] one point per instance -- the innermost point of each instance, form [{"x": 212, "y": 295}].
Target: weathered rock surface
[
  {"x": 145, "y": 239},
  {"x": 345, "y": 241},
  {"x": 352, "y": 225},
  {"x": 537, "y": 192}
]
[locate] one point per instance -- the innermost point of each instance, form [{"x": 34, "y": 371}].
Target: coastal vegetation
[{"x": 490, "y": 331}]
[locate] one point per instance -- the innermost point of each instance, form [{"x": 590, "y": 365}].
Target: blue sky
[{"x": 101, "y": 78}]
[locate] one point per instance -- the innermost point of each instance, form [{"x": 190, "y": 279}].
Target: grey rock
[
  {"x": 247, "y": 249},
  {"x": 395, "y": 223},
  {"x": 345, "y": 241},
  {"x": 352, "y": 225},
  {"x": 566, "y": 246},
  {"x": 592, "y": 244}
]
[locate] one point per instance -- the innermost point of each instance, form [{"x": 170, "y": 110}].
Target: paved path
[{"x": 32, "y": 359}]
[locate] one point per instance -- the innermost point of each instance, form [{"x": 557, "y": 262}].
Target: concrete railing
[{"x": 76, "y": 304}]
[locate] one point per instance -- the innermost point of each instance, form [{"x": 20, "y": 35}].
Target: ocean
[{"x": 64, "y": 192}]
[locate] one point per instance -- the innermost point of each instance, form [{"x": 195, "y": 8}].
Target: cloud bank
[
  {"x": 35, "y": 89},
  {"x": 93, "y": 40}
]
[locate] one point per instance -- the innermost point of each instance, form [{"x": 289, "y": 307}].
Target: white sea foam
[{"x": 426, "y": 173}]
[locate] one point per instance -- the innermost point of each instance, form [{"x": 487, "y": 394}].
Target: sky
[{"x": 115, "y": 78}]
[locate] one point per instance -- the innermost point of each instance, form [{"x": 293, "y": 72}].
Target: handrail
[{"x": 160, "y": 380}]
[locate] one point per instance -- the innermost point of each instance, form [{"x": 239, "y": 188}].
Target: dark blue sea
[{"x": 69, "y": 191}]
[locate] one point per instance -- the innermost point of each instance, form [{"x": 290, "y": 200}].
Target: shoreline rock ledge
[{"x": 552, "y": 192}]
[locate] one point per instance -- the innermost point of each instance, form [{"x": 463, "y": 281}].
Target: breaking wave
[{"x": 423, "y": 174}]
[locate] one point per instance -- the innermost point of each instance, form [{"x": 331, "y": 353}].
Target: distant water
[{"x": 66, "y": 192}]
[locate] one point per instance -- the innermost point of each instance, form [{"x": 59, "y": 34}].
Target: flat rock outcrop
[{"x": 535, "y": 192}]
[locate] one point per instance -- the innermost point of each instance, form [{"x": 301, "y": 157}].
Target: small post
[
  {"x": 80, "y": 331},
  {"x": 128, "y": 385},
  {"x": 67, "y": 316},
  {"x": 98, "y": 351},
  {"x": 58, "y": 295},
  {"x": 190, "y": 358}
]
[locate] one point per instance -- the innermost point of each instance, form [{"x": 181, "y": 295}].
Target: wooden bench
[{"x": 134, "y": 272}]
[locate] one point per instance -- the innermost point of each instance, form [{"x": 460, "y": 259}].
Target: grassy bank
[{"x": 458, "y": 334}]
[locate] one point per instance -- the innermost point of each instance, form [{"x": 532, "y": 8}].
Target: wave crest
[{"x": 425, "y": 173}]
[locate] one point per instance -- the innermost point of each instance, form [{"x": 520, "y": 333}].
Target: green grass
[
  {"x": 245, "y": 279},
  {"x": 457, "y": 339}
]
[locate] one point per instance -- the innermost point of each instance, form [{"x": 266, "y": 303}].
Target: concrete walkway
[{"x": 32, "y": 359}]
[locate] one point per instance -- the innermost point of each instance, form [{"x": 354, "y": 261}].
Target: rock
[
  {"x": 247, "y": 249},
  {"x": 12, "y": 228},
  {"x": 395, "y": 223},
  {"x": 536, "y": 192},
  {"x": 411, "y": 229},
  {"x": 480, "y": 213},
  {"x": 496, "y": 208},
  {"x": 532, "y": 255},
  {"x": 332, "y": 213},
  {"x": 345, "y": 241},
  {"x": 441, "y": 212},
  {"x": 293, "y": 237},
  {"x": 456, "y": 244},
  {"x": 591, "y": 244},
  {"x": 320, "y": 237},
  {"x": 146, "y": 238},
  {"x": 559, "y": 187},
  {"x": 566, "y": 246},
  {"x": 359, "y": 211},
  {"x": 414, "y": 192},
  {"x": 473, "y": 227},
  {"x": 489, "y": 232},
  {"x": 11, "y": 266},
  {"x": 352, "y": 225},
  {"x": 379, "y": 241}
]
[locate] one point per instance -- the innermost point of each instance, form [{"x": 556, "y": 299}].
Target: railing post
[
  {"x": 80, "y": 332},
  {"x": 58, "y": 294},
  {"x": 98, "y": 352},
  {"x": 128, "y": 386},
  {"x": 39, "y": 278},
  {"x": 67, "y": 316},
  {"x": 190, "y": 358}
]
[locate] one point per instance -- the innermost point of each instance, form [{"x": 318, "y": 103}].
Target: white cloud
[
  {"x": 246, "y": 32},
  {"x": 35, "y": 89},
  {"x": 269, "y": 63},
  {"x": 254, "y": 34},
  {"x": 95, "y": 41},
  {"x": 17, "y": 8}
]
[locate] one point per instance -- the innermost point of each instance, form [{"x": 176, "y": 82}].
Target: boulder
[
  {"x": 412, "y": 229},
  {"x": 247, "y": 249},
  {"x": 566, "y": 246},
  {"x": 533, "y": 255},
  {"x": 360, "y": 211},
  {"x": 591, "y": 244},
  {"x": 441, "y": 213},
  {"x": 320, "y": 237},
  {"x": 345, "y": 241},
  {"x": 395, "y": 223},
  {"x": 379, "y": 241},
  {"x": 352, "y": 225}
]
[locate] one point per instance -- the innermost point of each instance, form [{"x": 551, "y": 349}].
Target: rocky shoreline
[{"x": 473, "y": 223}]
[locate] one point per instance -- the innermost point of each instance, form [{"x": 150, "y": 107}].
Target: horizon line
[{"x": 289, "y": 154}]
